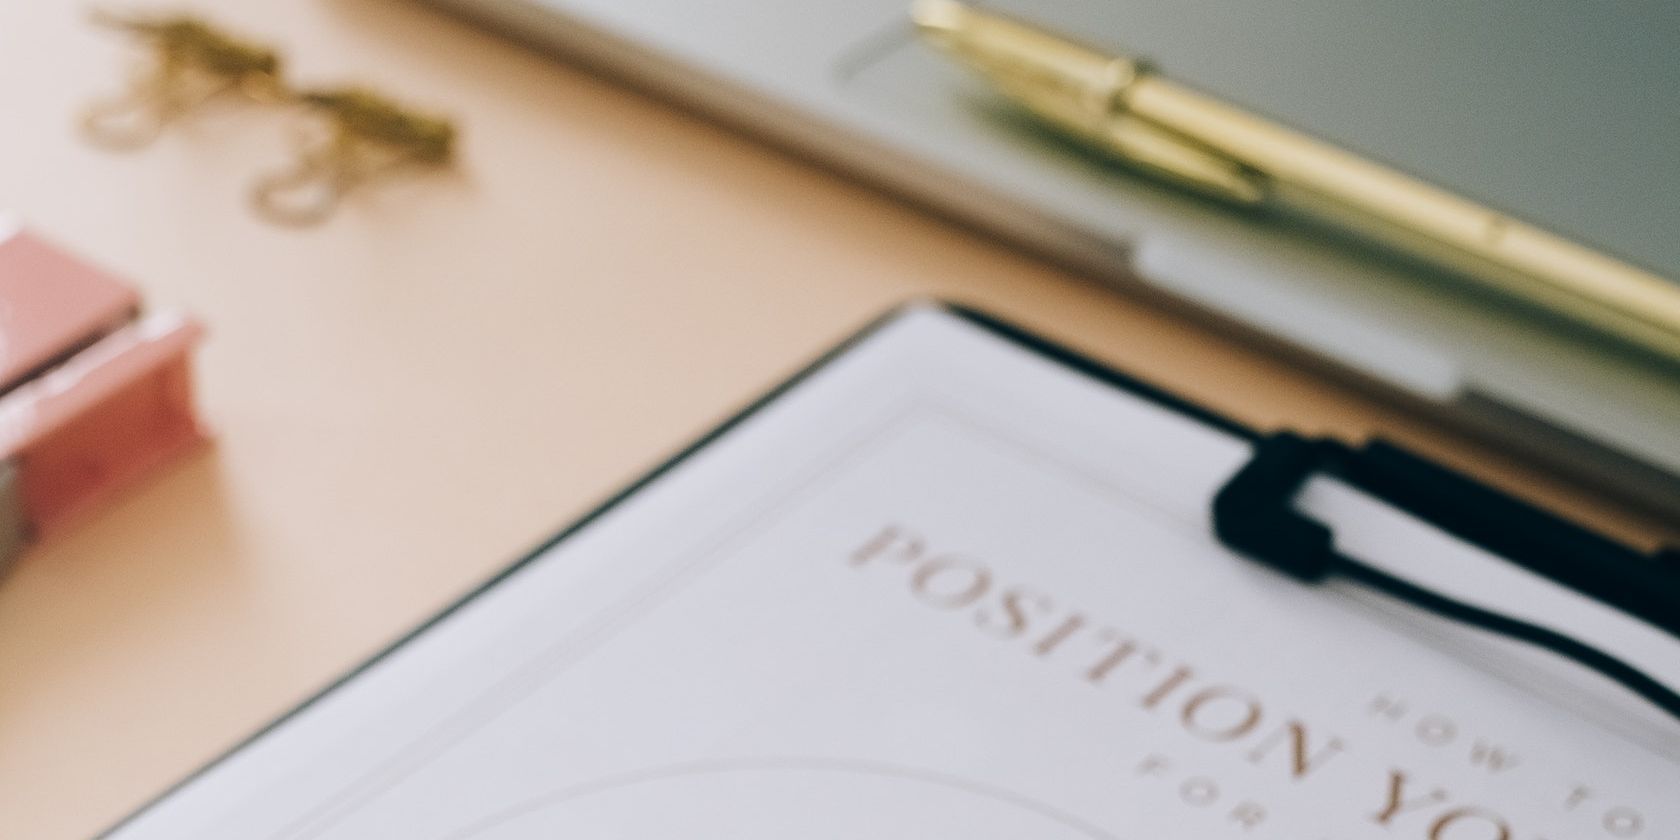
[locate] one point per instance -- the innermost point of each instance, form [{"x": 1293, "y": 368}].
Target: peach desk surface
[{"x": 409, "y": 397}]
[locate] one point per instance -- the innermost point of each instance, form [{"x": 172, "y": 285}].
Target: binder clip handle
[{"x": 1254, "y": 513}]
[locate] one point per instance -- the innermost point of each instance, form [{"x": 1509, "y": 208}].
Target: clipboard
[{"x": 1252, "y": 513}]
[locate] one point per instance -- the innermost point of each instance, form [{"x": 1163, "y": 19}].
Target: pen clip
[
  {"x": 1183, "y": 161},
  {"x": 1085, "y": 92}
]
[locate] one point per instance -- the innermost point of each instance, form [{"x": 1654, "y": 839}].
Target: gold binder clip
[
  {"x": 367, "y": 136},
  {"x": 192, "y": 62}
]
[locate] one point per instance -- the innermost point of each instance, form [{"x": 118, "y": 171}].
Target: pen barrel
[{"x": 1345, "y": 191}]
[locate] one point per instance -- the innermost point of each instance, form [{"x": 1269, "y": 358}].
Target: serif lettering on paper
[{"x": 1180, "y": 695}]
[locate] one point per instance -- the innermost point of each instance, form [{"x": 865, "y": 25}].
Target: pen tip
[{"x": 938, "y": 17}]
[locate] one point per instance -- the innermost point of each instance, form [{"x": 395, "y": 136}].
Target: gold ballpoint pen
[{"x": 1120, "y": 105}]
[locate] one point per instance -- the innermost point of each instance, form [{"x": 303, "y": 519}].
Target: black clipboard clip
[{"x": 1254, "y": 514}]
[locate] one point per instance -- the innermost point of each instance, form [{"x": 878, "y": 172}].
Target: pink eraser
[
  {"x": 51, "y": 305},
  {"x": 96, "y": 423}
]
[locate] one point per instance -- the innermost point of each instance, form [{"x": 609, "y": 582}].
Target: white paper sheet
[{"x": 947, "y": 588}]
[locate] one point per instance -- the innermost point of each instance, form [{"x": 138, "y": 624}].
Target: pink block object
[
  {"x": 52, "y": 305},
  {"x": 102, "y": 420},
  {"x": 92, "y": 395}
]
